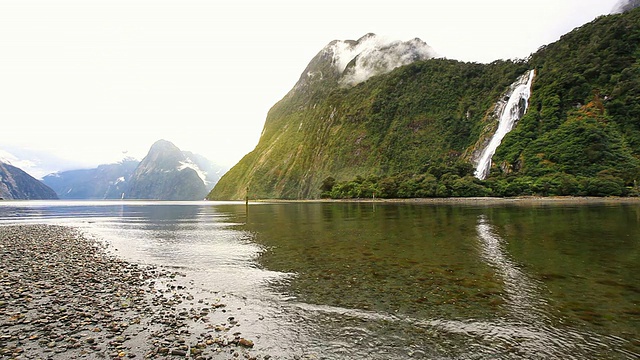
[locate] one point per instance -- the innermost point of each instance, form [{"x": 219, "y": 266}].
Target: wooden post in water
[{"x": 246, "y": 203}]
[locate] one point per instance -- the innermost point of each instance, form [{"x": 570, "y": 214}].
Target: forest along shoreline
[
  {"x": 63, "y": 296},
  {"x": 521, "y": 200}
]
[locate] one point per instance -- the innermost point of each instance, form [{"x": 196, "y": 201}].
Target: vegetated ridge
[{"x": 416, "y": 130}]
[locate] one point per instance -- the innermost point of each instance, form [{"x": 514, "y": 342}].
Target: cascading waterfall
[{"x": 509, "y": 114}]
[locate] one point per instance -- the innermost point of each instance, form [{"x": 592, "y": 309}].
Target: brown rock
[{"x": 245, "y": 342}]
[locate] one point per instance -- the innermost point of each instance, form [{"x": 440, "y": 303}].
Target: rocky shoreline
[{"x": 62, "y": 296}]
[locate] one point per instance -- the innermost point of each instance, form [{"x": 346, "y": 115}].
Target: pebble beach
[{"x": 64, "y": 296}]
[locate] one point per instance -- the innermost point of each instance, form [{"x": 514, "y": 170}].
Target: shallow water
[{"x": 393, "y": 280}]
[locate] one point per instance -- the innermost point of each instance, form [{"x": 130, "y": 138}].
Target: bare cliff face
[{"x": 17, "y": 184}]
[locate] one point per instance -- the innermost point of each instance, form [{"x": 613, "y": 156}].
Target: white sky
[{"x": 88, "y": 80}]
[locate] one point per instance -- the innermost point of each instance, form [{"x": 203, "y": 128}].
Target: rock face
[
  {"x": 108, "y": 181},
  {"x": 17, "y": 184},
  {"x": 166, "y": 173}
]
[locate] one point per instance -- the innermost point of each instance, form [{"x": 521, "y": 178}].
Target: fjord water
[{"x": 393, "y": 280}]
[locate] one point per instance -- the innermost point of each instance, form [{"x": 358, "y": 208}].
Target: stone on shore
[{"x": 63, "y": 297}]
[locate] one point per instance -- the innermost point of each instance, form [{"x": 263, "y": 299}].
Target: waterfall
[{"x": 509, "y": 114}]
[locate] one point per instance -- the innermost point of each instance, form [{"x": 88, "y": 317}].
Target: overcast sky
[{"x": 89, "y": 81}]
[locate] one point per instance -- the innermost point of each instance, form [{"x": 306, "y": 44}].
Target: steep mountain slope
[
  {"x": 17, "y": 184},
  {"x": 584, "y": 117},
  {"x": 167, "y": 174},
  {"x": 108, "y": 181},
  {"x": 401, "y": 121},
  {"x": 419, "y": 129}
]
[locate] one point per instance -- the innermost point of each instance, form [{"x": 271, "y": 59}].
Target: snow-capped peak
[{"x": 188, "y": 164}]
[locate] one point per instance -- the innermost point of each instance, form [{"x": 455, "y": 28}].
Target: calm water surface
[{"x": 393, "y": 280}]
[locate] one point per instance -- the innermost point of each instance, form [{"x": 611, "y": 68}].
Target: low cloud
[
  {"x": 8, "y": 158},
  {"x": 373, "y": 55}
]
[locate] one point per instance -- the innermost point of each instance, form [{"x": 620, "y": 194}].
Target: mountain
[
  {"x": 166, "y": 173},
  {"x": 17, "y": 184},
  {"x": 419, "y": 129},
  {"x": 113, "y": 181},
  {"x": 347, "y": 63},
  {"x": 582, "y": 128},
  {"x": 36, "y": 162},
  {"x": 209, "y": 171},
  {"x": 107, "y": 181},
  {"x": 395, "y": 121}
]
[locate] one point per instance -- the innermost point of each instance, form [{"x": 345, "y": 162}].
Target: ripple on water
[{"x": 337, "y": 333}]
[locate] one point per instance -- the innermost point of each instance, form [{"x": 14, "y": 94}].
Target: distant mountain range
[
  {"x": 108, "y": 181},
  {"x": 16, "y": 184},
  {"x": 166, "y": 173}
]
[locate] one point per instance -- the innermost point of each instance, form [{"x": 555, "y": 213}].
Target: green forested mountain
[
  {"x": 417, "y": 130},
  {"x": 584, "y": 118}
]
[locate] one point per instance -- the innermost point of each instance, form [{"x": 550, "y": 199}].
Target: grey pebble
[{"x": 65, "y": 297}]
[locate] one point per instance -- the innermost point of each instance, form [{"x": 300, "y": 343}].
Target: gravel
[{"x": 62, "y": 296}]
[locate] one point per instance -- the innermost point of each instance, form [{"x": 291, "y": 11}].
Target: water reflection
[
  {"x": 522, "y": 293},
  {"x": 394, "y": 281},
  {"x": 527, "y": 332},
  {"x": 438, "y": 281}
]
